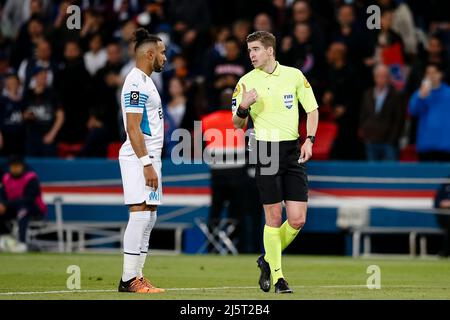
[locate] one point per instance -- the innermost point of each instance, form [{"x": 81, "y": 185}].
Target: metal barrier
[
  {"x": 66, "y": 232},
  {"x": 413, "y": 232},
  {"x": 218, "y": 236}
]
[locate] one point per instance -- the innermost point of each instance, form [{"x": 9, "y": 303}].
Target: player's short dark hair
[
  {"x": 142, "y": 36},
  {"x": 266, "y": 38}
]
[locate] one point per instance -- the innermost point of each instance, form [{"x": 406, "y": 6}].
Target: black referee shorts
[{"x": 290, "y": 181}]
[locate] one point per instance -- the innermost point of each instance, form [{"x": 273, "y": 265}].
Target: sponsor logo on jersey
[{"x": 134, "y": 98}]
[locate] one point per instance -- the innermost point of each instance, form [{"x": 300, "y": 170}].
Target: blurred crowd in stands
[{"x": 383, "y": 90}]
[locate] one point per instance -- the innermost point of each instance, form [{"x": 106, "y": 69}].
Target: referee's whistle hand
[
  {"x": 151, "y": 178},
  {"x": 248, "y": 97},
  {"x": 305, "y": 152}
]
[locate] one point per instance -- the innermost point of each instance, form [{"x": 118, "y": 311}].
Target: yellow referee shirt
[{"x": 275, "y": 112}]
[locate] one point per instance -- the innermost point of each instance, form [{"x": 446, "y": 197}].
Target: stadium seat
[
  {"x": 69, "y": 150},
  {"x": 113, "y": 150},
  {"x": 326, "y": 133},
  {"x": 409, "y": 154},
  {"x": 222, "y": 120}
]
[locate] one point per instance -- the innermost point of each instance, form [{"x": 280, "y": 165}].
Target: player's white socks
[
  {"x": 145, "y": 241},
  {"x": 132, "y": 240}
]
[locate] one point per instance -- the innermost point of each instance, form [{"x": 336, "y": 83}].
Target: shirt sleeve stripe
[
  {"x": 134, "y": 110},
  {"x": 140, "y": 94},
  {"x": 135, "y": 106},
  {"x": 128, "y": 102},
  {"x": 141, "y": 100}
]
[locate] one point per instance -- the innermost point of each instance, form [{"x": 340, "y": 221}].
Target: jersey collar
[{"x": 276, "y": 72}]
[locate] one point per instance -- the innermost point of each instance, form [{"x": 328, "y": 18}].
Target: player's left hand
[
  {"x": 151, "y": 178},
  {"x": 305, "y": 151}
]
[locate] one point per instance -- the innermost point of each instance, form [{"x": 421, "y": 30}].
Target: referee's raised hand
[{"x": 248, "y": 97}]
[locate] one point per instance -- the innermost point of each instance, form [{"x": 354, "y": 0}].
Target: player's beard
[{"x": 158, "y": 67}]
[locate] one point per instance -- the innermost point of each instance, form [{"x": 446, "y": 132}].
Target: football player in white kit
[{"x": 140, "y": 158}]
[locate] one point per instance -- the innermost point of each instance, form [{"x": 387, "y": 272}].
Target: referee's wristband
[
  {"x": 242, "y": 113},
  {"x": 145, "y": 160}
]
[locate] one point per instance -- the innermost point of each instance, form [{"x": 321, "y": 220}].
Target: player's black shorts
[{"x": 289, "y": 182}]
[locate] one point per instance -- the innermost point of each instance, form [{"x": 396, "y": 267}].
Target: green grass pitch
[{"x": 196, "y": 277}]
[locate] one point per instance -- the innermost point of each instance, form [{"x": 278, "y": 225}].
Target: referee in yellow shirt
[{"x": 269, "y": 94}]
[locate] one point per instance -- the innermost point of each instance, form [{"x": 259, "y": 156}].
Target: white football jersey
[{"x": 139, "y": 95}]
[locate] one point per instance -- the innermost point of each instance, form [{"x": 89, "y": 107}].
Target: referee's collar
[{"x": 275, "y": 72}]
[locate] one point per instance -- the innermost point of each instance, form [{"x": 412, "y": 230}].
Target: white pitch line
[
  {"x": 52, "y": 292},
  {"x": 199, "y": 289}
]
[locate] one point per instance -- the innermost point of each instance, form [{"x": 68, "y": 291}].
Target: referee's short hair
[{"x": 266, "y": 38}]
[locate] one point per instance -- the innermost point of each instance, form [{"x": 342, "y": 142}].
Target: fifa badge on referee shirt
[{"x": 288, "y": 100}]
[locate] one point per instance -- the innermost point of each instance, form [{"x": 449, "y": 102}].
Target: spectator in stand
[
  {"x": 74, "y": 89},
  {"x": 302, "y": 52},
  {"x": 217, "y": 50},
  {"x": 435, "y": 53},
  {"x": 389, "y": 50},
  {"x": 381, "y": 118},
  {"x": 302, "y": 13},
  {"x": 93, "y": 23},
  {"x": 12, "y": 135},
  {"x": 43, "y": 117},
  {"x": 348, "y": 33},
  {"x": 240, "y": 30},
  {"x": 60, "y": 33},
  {"x": 430, "y": 104},
  {"x": 16, "y": 15},
  {"x": 20, "y": 199},
  {"x": 263, "y": 22},
  {"x": 25, "y": 44},
  {"x": 126, "y": 36},
  {"x": 107, "y": 82},
  {"x": 189, "y": 31},
  {"x": 402, "y": 24},
  {"x": 341, "y": 92},
  {"x": 174, "y": 112},
  {"x": 96, "y": 57},
  {"x": 41, "y": 59},
  {"x": 225, "y": 72}
]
